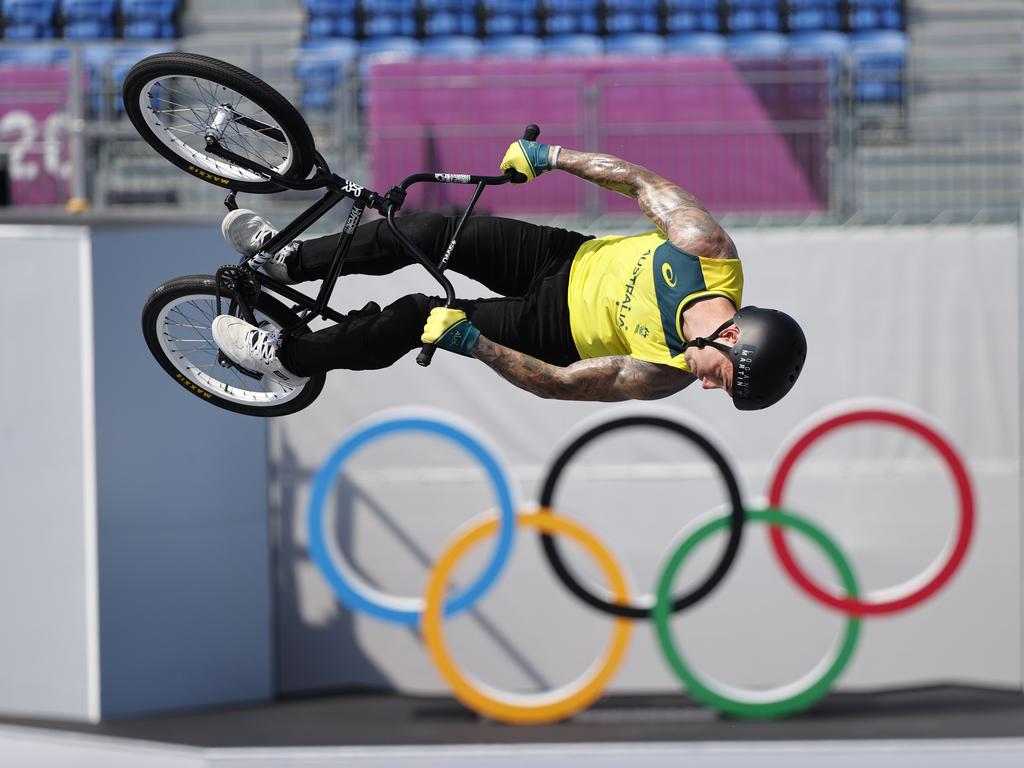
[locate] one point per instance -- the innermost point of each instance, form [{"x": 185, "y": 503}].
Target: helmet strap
[{"x": 709, "y": 341}]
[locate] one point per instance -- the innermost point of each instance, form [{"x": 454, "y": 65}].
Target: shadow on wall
[
  {"x": 325, "y": 654},
  {"x": 311, "y": 655}
]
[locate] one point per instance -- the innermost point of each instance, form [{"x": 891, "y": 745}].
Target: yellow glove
[
  {"x": 529, "y": 158},
  {"x": 450, "y": 329}
]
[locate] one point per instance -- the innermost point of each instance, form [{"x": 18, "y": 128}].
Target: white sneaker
[
  {"x": 252, "y": 348},
  {"x": 247, "y": 232}
]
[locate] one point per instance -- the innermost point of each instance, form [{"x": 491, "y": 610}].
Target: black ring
[{"x": 735, "y": 530}]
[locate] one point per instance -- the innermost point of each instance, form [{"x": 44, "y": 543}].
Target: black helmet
[{"x": 766, "y": 361}]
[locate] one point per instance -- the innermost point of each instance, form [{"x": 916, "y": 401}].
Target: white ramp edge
[{"x": 41, "y": 748}]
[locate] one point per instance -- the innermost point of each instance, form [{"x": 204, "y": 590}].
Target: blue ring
[{"x": 349, "y": 591}]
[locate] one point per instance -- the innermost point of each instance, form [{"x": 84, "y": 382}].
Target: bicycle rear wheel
[
  {"x": 177, "y": 100},
  {"x": 176, "y": 324}
]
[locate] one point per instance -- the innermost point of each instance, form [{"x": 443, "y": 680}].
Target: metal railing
[{"x": 950, "y": 147}]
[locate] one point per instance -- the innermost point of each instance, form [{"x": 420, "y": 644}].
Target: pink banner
[
  {"x": 33, "y": 133},
  {"x": 710, "y": 125}
]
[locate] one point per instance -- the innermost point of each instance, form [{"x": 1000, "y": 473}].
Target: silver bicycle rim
[
  {"x": 183, "y": 328},
  {"x": 179, "y": 110}
]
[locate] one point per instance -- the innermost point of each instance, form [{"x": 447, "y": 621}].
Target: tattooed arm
[
  {"x": 605, "y": 379},
  {"x": 674, "y": 211}
]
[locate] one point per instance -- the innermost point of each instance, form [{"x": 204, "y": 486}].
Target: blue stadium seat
[
  {"x": 760, "y": 45},
  {"x": 623, "y": 16},
  {"x": 27, "y": 32},
  {"x": 879, "y": 57},
  {"x": 568, "y": 17},
  {"x": 448, "y": 17},
  {"x": 753, "y": 16},
  {"x": 321, "y": 65},
  {"x": 331, "y": 18},
  {"x": 635, "y": 44},
  {"x": 513, "y": 46},
  {"x": 510, "y": 17},
  {"x": 389, "y": 18},
  {"x": 149, "y": 18},
  {"x": 89, "y": 29},
  {"x": 809, "y": 15},
  {"x": 579, "y": 46},
  {"x": 28, "y": 19},
  {"x": 323, "y": 61},
  {"x": 692, "y": 16},
  {"x": 148, "y": 29},
  {"x": 122, "y": 60},
  {"x": 320, "y": 27},
  {"x": 451, "y": 47},
  {"x": 97, "y": 59},
  {"x": 329, "y": 7},
  {"x": 88, "y": 19},
  {"x": 875, "y": 14},
  {"x": 696, "y": 44},
  {"x": 823, "y": 44}
]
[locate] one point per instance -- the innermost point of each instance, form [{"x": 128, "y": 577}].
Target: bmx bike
[{"x": 229, "y": 128}]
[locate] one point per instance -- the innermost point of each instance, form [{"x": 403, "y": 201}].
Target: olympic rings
[
  {"x": 935, "y": 576},
  {"x": 786, "y": 699},
  {"x": 732, "y": 486},
  {"x": 347, "y": 586},
  {"x": 524, "y": 708},
  {"x": 512, "y": 708}
]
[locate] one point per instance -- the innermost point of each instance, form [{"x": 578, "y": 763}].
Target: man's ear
[{"x": 730, "y": 334}]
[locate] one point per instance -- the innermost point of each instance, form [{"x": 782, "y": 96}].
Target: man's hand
[
  {"x": 450, "y": 329},
  {"x": 529, "y": 158}
]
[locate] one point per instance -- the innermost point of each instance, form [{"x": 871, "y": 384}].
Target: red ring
[{"x": 853, "y": 606}]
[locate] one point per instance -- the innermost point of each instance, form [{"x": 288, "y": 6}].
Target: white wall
[
  {"x": 928, "y": 316},
  {"x": 48, "y": 652}
]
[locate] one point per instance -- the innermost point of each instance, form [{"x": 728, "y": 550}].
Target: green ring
[{"x": 729, "y": 705}]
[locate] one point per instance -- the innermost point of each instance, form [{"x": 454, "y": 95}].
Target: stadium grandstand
[
  {"x": 903, "y": 127},
  {"x": 249, "y": 519}
]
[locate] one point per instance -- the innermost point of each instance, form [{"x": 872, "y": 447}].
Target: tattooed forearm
[
  {"x": 673, "y": 210},
  {"x": 621, "y": 176},
  {"x": 602, "y": 379}
]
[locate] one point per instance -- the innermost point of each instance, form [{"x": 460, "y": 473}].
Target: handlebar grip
[
  {"x": 531, "y": 133},
  {"x": 425, "y": 355}
]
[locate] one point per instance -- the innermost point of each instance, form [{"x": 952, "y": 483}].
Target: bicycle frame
[{"x": 338, "y": 189}]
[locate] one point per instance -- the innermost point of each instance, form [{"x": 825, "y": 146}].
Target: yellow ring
[{"x": 525, "y": 708}]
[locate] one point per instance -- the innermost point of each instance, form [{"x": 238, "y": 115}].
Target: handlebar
[{"x": 529, "y": 134}]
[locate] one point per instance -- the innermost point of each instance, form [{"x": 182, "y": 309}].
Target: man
[{"x": 606, "y": 319}]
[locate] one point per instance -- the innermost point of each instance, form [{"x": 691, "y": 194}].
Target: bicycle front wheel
[
  {"x": 176, "y": 324},
  {"x": 178, "y": 101}
]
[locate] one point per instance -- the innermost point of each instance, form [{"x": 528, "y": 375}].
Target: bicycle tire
[
  {"x": 162, "y": 303},
  {"x": 139, "y": 97}
]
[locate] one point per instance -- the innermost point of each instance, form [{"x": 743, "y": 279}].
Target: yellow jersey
[{"x": 627, "y": 293}]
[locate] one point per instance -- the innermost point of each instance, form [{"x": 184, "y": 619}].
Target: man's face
[{"x": 711, "y": 366}]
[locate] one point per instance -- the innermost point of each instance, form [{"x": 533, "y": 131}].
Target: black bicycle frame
[{"x": 338, "y": 189}]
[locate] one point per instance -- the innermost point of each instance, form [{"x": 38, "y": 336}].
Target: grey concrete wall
[
  {"x": 927, "y": 316},
  {"x": 48, "y": 653}
]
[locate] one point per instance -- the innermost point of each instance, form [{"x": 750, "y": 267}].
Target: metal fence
[{"x": 948, "y": 147}]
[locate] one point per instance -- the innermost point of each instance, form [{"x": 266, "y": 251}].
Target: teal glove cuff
[
  {"x": 459, "y": 338},
  {"x": 536, "y": 154}
]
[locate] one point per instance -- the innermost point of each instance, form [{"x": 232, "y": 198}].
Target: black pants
[{"x": 525, "y": 263}]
